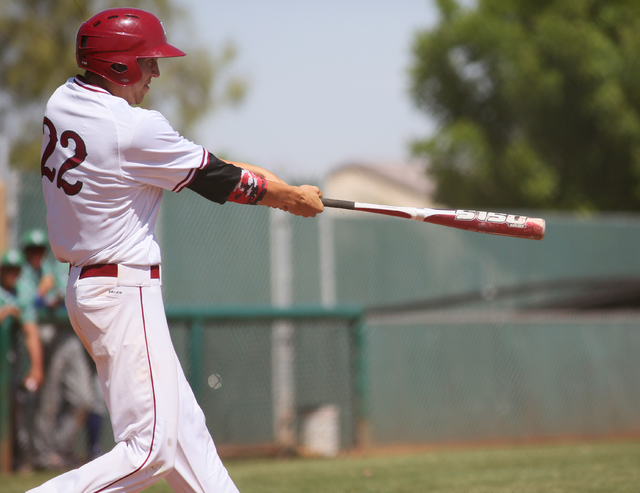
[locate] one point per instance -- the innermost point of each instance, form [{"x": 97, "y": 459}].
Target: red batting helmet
[{"x": 110, "y": 43}]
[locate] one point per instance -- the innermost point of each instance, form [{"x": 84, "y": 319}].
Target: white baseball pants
[{"x": 158, "y": 426}]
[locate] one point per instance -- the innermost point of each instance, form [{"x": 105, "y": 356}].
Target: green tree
[
  {"x": 37, "y": 55},
  {"x": 537, "y": 101}
]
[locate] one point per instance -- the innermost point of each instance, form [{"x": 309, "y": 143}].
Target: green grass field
[{"x": 585, "y": 468}]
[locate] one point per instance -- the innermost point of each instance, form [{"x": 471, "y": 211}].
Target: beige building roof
[{"x": 401, "y": 184}]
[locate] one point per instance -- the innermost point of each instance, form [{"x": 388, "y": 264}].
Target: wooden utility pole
[{"x": 4, "y": 222}]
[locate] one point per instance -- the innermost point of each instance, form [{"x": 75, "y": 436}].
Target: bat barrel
[{"x": 492, "y": 223}]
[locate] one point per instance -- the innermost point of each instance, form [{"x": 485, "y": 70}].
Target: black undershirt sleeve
[{"x": 216, "y": 181}]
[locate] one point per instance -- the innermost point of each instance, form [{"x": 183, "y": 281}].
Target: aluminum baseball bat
[{"x": 493, "y": 223}]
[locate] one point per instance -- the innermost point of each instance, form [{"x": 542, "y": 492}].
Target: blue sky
[{"x": 327, "y": 81}]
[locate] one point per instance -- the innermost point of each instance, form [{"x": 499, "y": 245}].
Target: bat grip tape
[{"x": 338, "y": 204}]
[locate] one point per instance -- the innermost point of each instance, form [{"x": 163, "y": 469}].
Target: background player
[
  {"x": 104, "y": 166},
  {"x": 27, "y": 376}
]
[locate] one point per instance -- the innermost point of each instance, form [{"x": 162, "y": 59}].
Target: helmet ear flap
[
  {"x": 126, "y": 73},
  {"x": 131, "y": 74}
]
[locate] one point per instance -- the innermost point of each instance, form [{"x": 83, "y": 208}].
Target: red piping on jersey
[
  {"x": 180, "y": 186},
  {"x": 90, "y": 87},
  {"x": 192, "y": 173},
  {"x": 153, "y": 392}
]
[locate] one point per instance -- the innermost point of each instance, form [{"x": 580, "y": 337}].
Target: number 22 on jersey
[{"x": 74, "y": 161}]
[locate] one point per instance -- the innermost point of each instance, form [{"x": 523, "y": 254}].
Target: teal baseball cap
[
  {"x": 12, "y": 258},
  {"x": 35, "y": 238}
]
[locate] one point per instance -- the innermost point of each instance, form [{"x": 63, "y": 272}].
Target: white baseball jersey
[{"x": 104, "y": 166}]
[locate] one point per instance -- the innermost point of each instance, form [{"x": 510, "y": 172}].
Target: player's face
[
  {"x": 9, "y": 276},
  {"x": 34, "y": 255},
  {"x": 135, "y": 94},
  {"x": 150, "y": 69}
]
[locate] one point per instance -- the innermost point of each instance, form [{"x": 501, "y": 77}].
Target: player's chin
[{"x": 140, "y": 96}]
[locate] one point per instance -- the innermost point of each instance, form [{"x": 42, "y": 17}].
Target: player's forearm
[
  {"x": 34, "y": 349},
  {"x": 46, "y": 284},
  {"x": 254, "y": 185},
  {"x": 267, "y": 175}
]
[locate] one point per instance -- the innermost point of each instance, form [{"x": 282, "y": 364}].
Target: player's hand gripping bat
[{"x": 493, "y": 223}]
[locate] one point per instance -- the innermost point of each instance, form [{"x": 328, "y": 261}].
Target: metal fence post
[
  {"x": 282, "y": 333},
  {"x": 359, "y": 375}
]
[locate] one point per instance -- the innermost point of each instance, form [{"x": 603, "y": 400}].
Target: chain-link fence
[{"x": 466, "y": 336}]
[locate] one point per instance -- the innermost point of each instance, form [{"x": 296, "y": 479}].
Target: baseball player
[{"x": 104, "y": 166}]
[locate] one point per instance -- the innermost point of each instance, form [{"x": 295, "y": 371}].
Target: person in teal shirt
[
  {"x": 43, "y": 279},
  {"x": 27, "y": 373}
]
